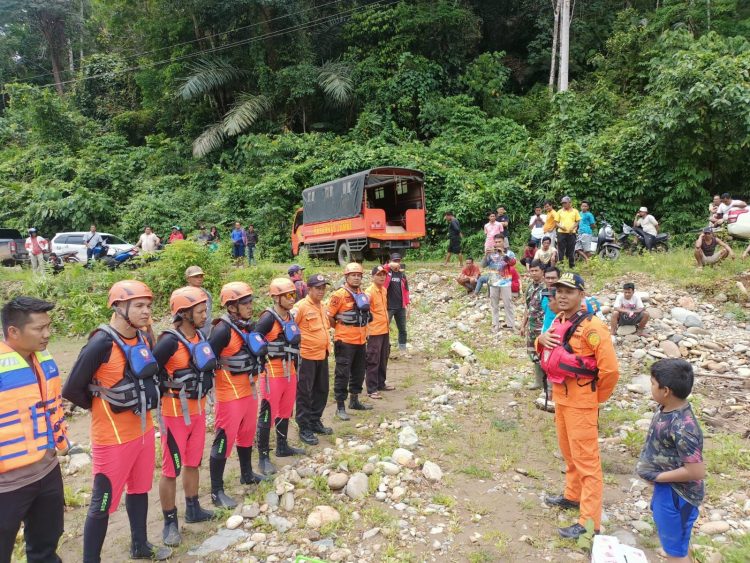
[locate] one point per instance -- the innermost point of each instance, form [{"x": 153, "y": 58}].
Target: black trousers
[
  {"x": 312, "y": 391},
  {"x": 350, "y": 369},
  {"x": 40, "y": 507},
  {"x": 566, "y": 246},
  {"x": 378, "y": 350},
  {"x": 400, "y": 315}
]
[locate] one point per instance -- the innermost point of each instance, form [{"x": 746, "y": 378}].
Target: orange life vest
[
  {"x": 31, "y": 413},
  {"x": 560, "y": 363}
]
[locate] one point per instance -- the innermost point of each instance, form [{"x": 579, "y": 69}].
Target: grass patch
[
  {"x": 481, "y": 556},
  {"x": 727, "y": 453},
  {"x": 499, "y": 540},
  {"x": 376, "y": 516},
  {"x": 73, "y": 498},
  {"x": 633, "y": 441},
  {"x": 407, "y": 381},
  {"x": 444, "y": 500},
  {"x": 477, "y": 472},
  {"x": 504, "y": 425},
  {"x": 612, "y": 418},
  {"x": 493, "y": 358},
  {"x": 739, "y": 552}
]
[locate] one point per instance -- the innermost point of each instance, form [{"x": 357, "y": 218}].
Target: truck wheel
[{"x": 344, "y": 254}]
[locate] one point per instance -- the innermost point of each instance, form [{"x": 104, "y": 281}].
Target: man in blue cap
[{"x": 295, "y": 274}]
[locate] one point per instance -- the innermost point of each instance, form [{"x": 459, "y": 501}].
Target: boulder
[
  {"x": 403, "y": 457},
  {"x": 337, "y": 481},
  {"x": 680, "y": 314},
  {"x": 322, "y": 515},
  {"x": 670, "y": 349},
  {"x": 358, "y": 486},
  {"x": 640, "y": 384},
  {"x": 432, "y": 471},
  {"x": 407, "y": 438}
]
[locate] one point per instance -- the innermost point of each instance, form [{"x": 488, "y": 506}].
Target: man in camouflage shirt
[{"x": 533, "y": 319}]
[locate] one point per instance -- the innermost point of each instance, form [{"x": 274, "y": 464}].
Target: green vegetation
[{"x": 159, "y": 113}]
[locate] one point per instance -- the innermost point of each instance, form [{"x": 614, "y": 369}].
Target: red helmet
[
  {"x": 186, "y": 298},
  {"x": 127, "y": 290},
  {"x": 234, "y": 291},
  {"x": 280, "y": 286}
]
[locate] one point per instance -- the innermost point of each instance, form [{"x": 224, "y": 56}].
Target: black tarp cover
[{"x": 339, "y": 199}]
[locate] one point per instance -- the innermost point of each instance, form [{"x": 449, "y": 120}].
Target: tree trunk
[
  {"x": 71, "y": 62},
  {"x": 555, "y": 34},
  {"x": 564, "y": 45},
  {"x": 53, "y": 30},
  {"x": 266, "y": 17}
]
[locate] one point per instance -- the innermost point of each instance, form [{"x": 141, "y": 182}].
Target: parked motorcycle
[
  {"x": 69, "y": 257},
  {"x": 120, "y": 258},
  {"x": 605, "y": 246},
  {"x": 633, "y": 240}
]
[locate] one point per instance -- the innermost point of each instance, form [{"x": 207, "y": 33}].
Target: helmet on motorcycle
[
  {"x": 280, "y": 286},
  {"x": 353, "y": 268},
  {"x": 234, "y": 291},
  {"x": 186, "y": 298},
  {"x": 127, "y": 290}
]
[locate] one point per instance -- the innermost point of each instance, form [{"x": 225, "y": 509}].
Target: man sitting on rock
[
  {"x": 706, "y": 253},
  {"x": 628, "y": 310},
  {"x": 469, "y": 276}
]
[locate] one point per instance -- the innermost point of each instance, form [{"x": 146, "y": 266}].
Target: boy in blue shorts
[{"x": 672, "y": 457}]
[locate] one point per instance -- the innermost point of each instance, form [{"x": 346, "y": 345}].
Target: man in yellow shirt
[
  {"x": 550, "y": 223},
  {"x": 378, "y": 340},
  {"x": 567, "y": 231}
]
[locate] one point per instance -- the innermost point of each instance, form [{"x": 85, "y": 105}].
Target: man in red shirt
[
  {"x": 36, "y": 246},
  {"x": 469, "y": 275}
]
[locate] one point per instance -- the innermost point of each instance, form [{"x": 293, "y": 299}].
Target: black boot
[
  {"x": 171, "y": 533},
  {"x": 140, "y": 548},
  {"x": 354, "y": 404},
  {"x": 318, "y": 428},
  {"x": 308, "y": 436},
  {"x": 264, "y": 435},
  {"x": 341, "y": 413},
  {"x": 283, "y": 449},
  {"x": 194, "y": 512},
  {"x": 94, "y": 532},
  {"x": 218, "y": 497},
  {"x": 247, "y": 477}
]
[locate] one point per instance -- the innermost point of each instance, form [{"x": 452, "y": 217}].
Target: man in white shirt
[
  {"x": 148, "y": 241},
  {"x": 648, "y": 225},
  {"x": 536, "y": 224},
  {"x": 727, "y": 203},
  {"x": 628, "y": 310},
  {"x": 91, "y": 239}
]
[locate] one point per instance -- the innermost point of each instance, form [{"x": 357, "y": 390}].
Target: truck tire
[{"x": 344, "y": 254}]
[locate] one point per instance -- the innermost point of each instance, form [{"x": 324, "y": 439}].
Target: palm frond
[
  {"x": 208, "y": 75},
  {"x": 244, "y": 113},
  {"x": 210, "y": 140},
  {"x": 336, "y": 81}
]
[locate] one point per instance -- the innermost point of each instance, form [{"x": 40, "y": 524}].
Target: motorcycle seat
[{"x": 662, "y": 236}]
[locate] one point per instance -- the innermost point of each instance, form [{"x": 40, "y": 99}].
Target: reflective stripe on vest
[{"x": 29, "y": 424}]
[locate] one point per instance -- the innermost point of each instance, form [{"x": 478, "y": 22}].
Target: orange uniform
[
  {"x": 341, "y": 301},
  {"x": 230, "y": 387},
  {"x": 577, "y": 414},
  {"x": 379, "y": 309},
  {"x": 180, "y": 359},
  {"x": 275, "y": 366},
  {"x": 314, "y": 325}
]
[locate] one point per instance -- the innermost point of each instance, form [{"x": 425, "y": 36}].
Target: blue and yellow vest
[{"x": 31, "y": 413}]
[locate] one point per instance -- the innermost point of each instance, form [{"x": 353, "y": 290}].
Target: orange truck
[{"x": 366, "y": 215}]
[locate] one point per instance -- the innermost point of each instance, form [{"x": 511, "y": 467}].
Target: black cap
[
  {"x": 395, "y": 256},
  {"x": 317, "y": 280},
  {"x": 574, "y": 281}
]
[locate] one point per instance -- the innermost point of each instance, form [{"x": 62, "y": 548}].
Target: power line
[
  {"x": 278, "y": 33},
  {"x": 228, "y": 32}
]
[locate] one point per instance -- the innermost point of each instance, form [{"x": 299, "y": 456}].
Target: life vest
[
  {"x": 286, "y": 347},
  {"x": 560, "y": 363},
  {"x": 138, "y": 390},
  {"x": 196, "y": 380},
  {"x": 250, "y": 358},
  {"x": 30, "y": 422},
  {"x": 359, "y": 315}
]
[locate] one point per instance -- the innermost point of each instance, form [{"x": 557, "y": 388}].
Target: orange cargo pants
[{"x": 578, "y": 438}]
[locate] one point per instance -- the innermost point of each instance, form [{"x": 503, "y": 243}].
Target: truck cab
[{"x": 365, "y": 215}]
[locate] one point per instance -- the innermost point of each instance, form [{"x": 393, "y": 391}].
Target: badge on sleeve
[{"x": 594, "y": 339}]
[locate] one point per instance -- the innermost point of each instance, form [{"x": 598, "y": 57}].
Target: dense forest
[{"x": 135, "y": 112}]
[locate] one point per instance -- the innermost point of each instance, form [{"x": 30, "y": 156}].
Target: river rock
[
  {"x": 389, "y": 468},
  {"x": 625, "y": 330},
  {"x": 697, "y": 331},
  {"x": 639, "y": 354},
  {"x": 250, "y": 510},
  {"x": 461, "y": 349},
  {"x": 358, "y": 486},
  {"x": 322, "y": 515},
  {"x": 643, "y": 527},
  {"x": 371, "y": 533},
  {"x": 403, "y": 457},
  {"x": 434, "y": 278},
  {"x": 282, "y": 525},
  {"x": 670, "y": 348},
  {"x": 218, "y": 542},
  {"x": 337, "y": 481},
  {"x": 407, "y": 438},
  {"x": 640, "y": 384},
  {"x": 655, "y": 313},
  {"x": 713, "y": 528},
  {"x": 78, "y": 462},
  {"x": 234, "y": 522},
  {"x": 432, "y": 471},
  {"x": 721, "y": 297},
  {"x": 287, "y": 501},
  {"x": 680, "y": 314},
  {"x": 686, "y": 302},
  {"x": 693, "y": 321},
  {"x": 272, "y": 499}
]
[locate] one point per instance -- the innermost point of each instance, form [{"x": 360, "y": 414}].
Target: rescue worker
[
  {"x": 349, "y": 312},
  {"x": 315, "y": 347},
  {"x": 31, "y": 486},
  {"x": 279, "y": 382},
  {"x": 378, "y": 339},
  {"x": 115, "y": 376},
  {"x": 187, "y": 361},
  {"x": 578, "y": 357},
  {"x": 240, "y": 354}
]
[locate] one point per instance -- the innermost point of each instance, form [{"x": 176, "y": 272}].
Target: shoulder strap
[
  {"x": 181, "y": 337},
  {"x": 112, "y": 333},
  {"x": 580, "y": 316},
  {"x": 276, "y": 316},
  {"x": 231, "y": 324}
]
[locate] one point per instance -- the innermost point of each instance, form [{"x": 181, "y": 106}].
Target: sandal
[
  {"x": 387, "y": 388},
  {"x": 375, "y": 395}
]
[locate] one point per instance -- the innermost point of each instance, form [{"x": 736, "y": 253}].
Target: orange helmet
[
  {"x": 280, "y": 286},
  {"x": 234, "y": 291},
  {"x": 186, "y": 298},
  {"x": 353, "y": 268},
  {"x": 126, "y": 290}
]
